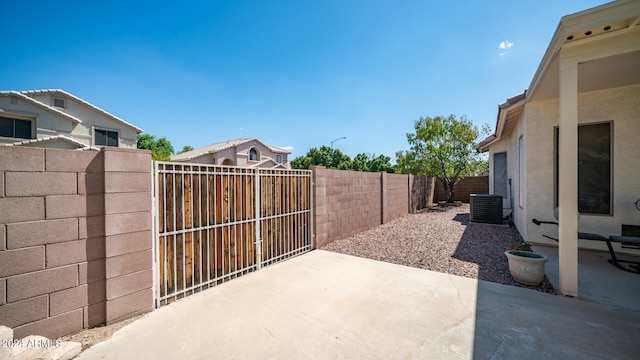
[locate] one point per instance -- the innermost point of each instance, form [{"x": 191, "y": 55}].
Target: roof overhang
[
  {"x": 85, "y": 103},
  {"x": 53, "y": 139},
  {"x": 615, "y": 25},
  {"x": 509, "y": 112},
  {"x": 38, "y": 104},
  {"x": 605, "y": 23}
]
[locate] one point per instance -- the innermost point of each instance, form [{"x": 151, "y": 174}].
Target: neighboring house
[
  {"x": 244, "y": 152},
  {"x": 572, "y": 139},
  {"x": 57, "y": 119}
]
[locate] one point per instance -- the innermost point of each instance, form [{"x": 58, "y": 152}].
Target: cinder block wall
[
  {"x": 349, "y": 202},
  {"x": 346, "y": 202},
  {"x": 75, "y": 238},
  {"x": 465, "y": 187},
  {"x": 395, "y": 196}
]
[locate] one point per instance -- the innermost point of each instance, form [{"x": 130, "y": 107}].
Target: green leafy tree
[
  {"x": 185, "y": 149},
  {"x": 161, "y": 149},
  {"x": 335, "y": 159},
  {"x": 443, "y": 147},
  {"x": 380, "y": 163},
  {"x": 324, "y": 156}
]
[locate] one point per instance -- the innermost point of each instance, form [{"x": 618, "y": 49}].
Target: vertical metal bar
[
  {"x": 164, "y": 238},
  {"x": 200, "y": 223},
  {"x": 184, "y": 258},
  {"x": 215, "y": 221},
  {"x": 175, "y": 240},
  {"x": 257, "y": 202},
  {"x": 208, "y": 229},
  {"x": 191, "y": 197},
  {"x": 228, "y": 227},
  {"x": 238, "y": 246},
  {"x": 309, "y": 231},
  {"x": 156, "y": 238}
]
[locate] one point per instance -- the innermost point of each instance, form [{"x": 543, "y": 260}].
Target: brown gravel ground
[
  {"x": 438, "y": 239},
  {"x": 443, "y": 240},
  {"x": 95, "y": 335}
]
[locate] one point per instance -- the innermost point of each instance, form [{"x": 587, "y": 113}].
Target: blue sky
[{"x": 295, "y": 74}]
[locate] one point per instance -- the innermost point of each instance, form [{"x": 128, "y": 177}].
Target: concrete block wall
[
  {"x": 395, "y": 196},
  {"x": 421, "y": 190},
  {"x": 75, "y": 238},
  {"x": 346, "y": 202},
  {"x": 465, "y": 187},
  {"x": 349, "y": 202}
]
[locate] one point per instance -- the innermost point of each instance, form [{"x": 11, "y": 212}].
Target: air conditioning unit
[{"x": 486, "y": 208}]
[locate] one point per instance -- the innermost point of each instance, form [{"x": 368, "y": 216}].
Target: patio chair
[{"x": 633, "y": 266}]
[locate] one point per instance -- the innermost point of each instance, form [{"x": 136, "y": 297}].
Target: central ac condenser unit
[{"x": 486, "y": 208}]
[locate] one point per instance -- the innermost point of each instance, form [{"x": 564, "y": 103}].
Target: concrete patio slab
[
  {"x": 324, "y": 305},
  {"x": 598, "y": 281}
]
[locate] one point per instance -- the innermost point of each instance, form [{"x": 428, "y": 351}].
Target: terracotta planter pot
[{"x": 526, "y": 267}]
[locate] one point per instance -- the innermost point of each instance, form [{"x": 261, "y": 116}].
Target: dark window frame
[
  {"x": 108, "y": 140},
  {"x": 588, "y": 200},
  {"x": 63, "y": 101},
  {"x": 500, "y": 188},
  {"x": 16, "y": 123},
  {"x": 254, "y": 155}
]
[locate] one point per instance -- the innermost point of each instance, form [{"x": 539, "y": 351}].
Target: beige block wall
[
  {"x": 58, "y": 238},
  {"x": 349, "y": 202},
  {"x": 465, "y": 187}
]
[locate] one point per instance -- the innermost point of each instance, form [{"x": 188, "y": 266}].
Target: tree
[
  {"x": 324, "y": 156},
  {"x": 185, "y": 149},
  {"x": 372, "y": 163},
  {"x": 335, "y": 159},
  {"x": 161, "y": 149},
  {"x": 443, "y": 147}
]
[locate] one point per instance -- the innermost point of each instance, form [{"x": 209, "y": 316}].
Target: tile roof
[
  {"x": 64, "y": 93},
  {"x": 80, "y": 145},
  {"x": 33, "y": 101},
  {"x": 223, "y": 145}
]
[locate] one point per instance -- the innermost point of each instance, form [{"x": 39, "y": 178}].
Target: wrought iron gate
[{"x": 214, "y": 223}]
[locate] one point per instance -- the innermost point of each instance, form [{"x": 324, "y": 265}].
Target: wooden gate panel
[{"x": 211, "y": 220}]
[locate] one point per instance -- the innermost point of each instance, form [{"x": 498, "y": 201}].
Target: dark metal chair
[{"x": 615, "y": 238}]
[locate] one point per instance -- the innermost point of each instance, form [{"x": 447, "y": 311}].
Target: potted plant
[{"x": 526, "y": 267}]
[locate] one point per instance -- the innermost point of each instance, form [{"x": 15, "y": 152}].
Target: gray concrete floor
[
  {"x": 598, "y": 281},
  {"x": 324, "y": 305}
]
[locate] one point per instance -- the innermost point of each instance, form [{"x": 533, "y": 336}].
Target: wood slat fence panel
[{"x": 214, "y": 223}]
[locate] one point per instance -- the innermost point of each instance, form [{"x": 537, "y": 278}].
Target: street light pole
[{"x": 340, "y": 138}]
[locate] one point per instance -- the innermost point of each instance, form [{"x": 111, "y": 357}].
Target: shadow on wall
[{"x": 93, "y": 227}]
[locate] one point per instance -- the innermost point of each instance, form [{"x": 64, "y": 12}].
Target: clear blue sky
[{"x": 295, "y": 74}]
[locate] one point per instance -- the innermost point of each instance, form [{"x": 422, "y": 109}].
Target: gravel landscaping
[{"x": 443, "y": 240}]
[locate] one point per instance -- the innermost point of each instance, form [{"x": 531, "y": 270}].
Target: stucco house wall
[
  {"x": 510, "y": 144},
  {"x": 48, "y": 120},
  {"x": 618, "y": 105},
  {"x": 537, "y": 126},
  {"x": 236, "y": 153}
]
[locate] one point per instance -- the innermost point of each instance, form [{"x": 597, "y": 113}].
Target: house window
[
  {"x": 57, "y": 102},
  {"x": 594, "y": 169},
  {"x": 279, "y": 158},
  {"x": 500, "y": 174},
  {"x": 521, "y": 171},
  {"x": 253, "y": 154},
  {"x": 106, "y": 138},
  {"x": 15, "y": 128}
]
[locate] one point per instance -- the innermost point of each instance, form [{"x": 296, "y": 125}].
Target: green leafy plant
[{"x": 525, "y": 246}]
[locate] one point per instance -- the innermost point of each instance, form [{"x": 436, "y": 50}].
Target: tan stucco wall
[
  {"x": 90, "y": 119},
  {"x": 47, "y": 123},
  {"x": 239, "y": 155},
  {"x": 619, "y": 105},
  {"x": 509, "y": 143}
]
